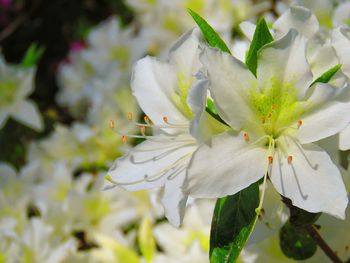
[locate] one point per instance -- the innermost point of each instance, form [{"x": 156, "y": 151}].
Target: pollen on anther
[
  {"x": 143, "y": 130},
  {"x": 112, "y": 124},
  {"x": 246, "y": 136},
  {"x": 146, "y": 119},
  {"x": 165, "y": 119},
  {"x": 270, "y": 159},
  {"x": 130, "y": 115},
  {"x": 290, "y": 159},
  {"x": 300, "y": 122},
  {"x": 124, "y": 138}
]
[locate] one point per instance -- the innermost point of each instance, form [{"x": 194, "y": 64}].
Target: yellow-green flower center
[
  {"x": 180, "y": 98},
  {"x": 7, "y": 92}
]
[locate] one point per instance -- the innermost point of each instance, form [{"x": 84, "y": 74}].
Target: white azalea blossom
[
  {"x": 276, "y": 118},
  {"x": 16, "y": 84}
]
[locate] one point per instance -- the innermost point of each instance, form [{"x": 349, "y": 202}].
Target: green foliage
[
  {"x": 296, "y": 243},
  {"x": 328, "y": 75},
  {"x": 233, "y": 221},
  {"x": 262, "y": 36},
  {"x": 213, "y": 38},
  {"x": 32, "y": 56}
]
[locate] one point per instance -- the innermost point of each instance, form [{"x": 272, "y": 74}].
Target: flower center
[
  {"x": 7, "y": 92},
  {"x": 180, "y": 97},
  {"x": 277, "y": 107}
]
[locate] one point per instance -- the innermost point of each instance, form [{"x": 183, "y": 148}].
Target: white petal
[
  {"x": 223, "y": 166},
  {"x": 230, "y": 82},
  {"x": 185, "y": 53},
  {"x": 153, "y": 84},
  {"x": 312, "y": 181},
  {"x": 150, "y": 164},
  {"x": 328, "y": 113},
  {"x": 341, "y": 43},
  {"x": 285, "y": 61},
  {"x": 248, "y": 29},
  {"x": 174, "y": 200},
  {"x": 28, "y": 114},
  {"x": 344, "y": 139},
  {"x": 341, "y": 14},
  {"x": 3, "y": 118},
  {"x": 299, "y": 18}
]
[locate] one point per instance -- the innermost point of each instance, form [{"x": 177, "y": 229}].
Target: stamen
[
  {"x": 146, "y": 119},
  {"x": 165, "y": 119},
  {"x": 143, "y": 130},
  {"x": 262, "y": 120},
  {"x": 300, "y": 122},
  {"x": 112, "y": 124},
  {"x": 290, "y": 159},
  {"x": 124, "y": 139},
  {"x": 270, "y": 159},
  {"x": 130, "y": 115},
  {"x": 246, "y": 136},
  {"x": 269, "y": 115}
]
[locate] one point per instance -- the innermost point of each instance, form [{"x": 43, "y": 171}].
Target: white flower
[
  {"x": 16, "y": 84},
  {"x": 162, "y": 90},
  {"x": 276, "y": 119}
]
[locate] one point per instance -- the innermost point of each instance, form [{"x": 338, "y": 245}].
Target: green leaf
[
  {"x": 262, "y": 36},
  {"x": 210, "y": 35},
  {"x": 32, "y": 56},
  {"x": 296, "y": 243},
  {"x": 328, "y": 75},
  {"x": 233, "y": 221}
]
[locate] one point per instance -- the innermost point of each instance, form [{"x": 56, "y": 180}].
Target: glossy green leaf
[
  {"x": 328, "y": 75},
  {"x": 296, "y": 243},
  {"x": 262, "y": 36},
  {"x": 233, "y": 221},
  {"x": 210, "y": 35},
  {"x": 32, "y": 55}
]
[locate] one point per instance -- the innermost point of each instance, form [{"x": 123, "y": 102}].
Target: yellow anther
[
  {"x": 124, "y": 139},
  {"x": 130, "y": 115},
  {"x": 146, "y": 119},
  {"x": 246, "y": 136},
  {"x": 290, "y": 159},
  {"x": 165, "y": 119},
  {"x": 300, "y": 122},
  {"x": 112, "y": 124},
  {"x": 270, "y": 159}
]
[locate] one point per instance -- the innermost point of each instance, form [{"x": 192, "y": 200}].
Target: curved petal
[
  {"x": 341, "y": 44},
  {"x": 344, "y": 139},
  {"x": 153, "y": 83},
  {"x": 223, "y": 166},
  {"x": 230, "y": 82},
  {"x": 328, "y": 113},
  {"x": 285, "y": 61},
  {"x": 28, "y": 114},
  {"x": 299, "y": 18},
  {"x": 248, "y": 29},
  {"x": 173, "y": 199},
  {"x": 151, "y": 164},
  {"x": 311, "y": 180}
]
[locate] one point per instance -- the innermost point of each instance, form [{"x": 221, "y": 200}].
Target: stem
[{"x": 323, "y": 245}]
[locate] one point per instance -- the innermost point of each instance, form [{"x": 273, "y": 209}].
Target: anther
[
  {"x": 143, "y": 130},
  {"x": 246, "y": 136},
  {"x": 300, "y": 122},
  {"x": 165, "y": 119},
  {"x": 290, "y": 159},
  {"x": 124, "y": 139},
  {"x": 270, "y": 159},
  {"x": 112, "y": 124},
  {"x": 146, "y": 119},
  {"x": 130, "y": 115},
  {"x": 269, "y": 115},
  {"x": 262, "y": 120}
]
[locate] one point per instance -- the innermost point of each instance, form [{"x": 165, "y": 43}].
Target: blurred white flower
[{"x": 16, "y": 84}]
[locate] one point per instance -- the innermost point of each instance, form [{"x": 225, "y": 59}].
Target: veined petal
[
  {"x": 173, "y": 199},
  {"x": 151, "y": 163},
  {"x": 230, "y": 82},
  {"x": 153, "y": 83},
  {"x": 299, "y": 18},
  {"x": 223, "y": 166},
  {"x": 285, "y": 61},
  {"x": 327, "y": 113},
  {"x": 311, "y": 180},
  {"x": 27, "y": 113}
]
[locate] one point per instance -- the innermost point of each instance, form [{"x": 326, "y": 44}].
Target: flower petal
[
  {"x": 312, "y": 181},
  {"x": 344, "y": 139},
  {"x": 341, "y": 43},
  {"x": 28, "y": 114},
  {"x": 285, "y": 61},
  {"x": 328, "y": 113},
  {"x": 223, "y": 166},
  {"x": 153, "y": 83},
  {"x": 151, "y": 163},
  {"x": 230, "y": 82},
  {"x": 299, "y": 18}
]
